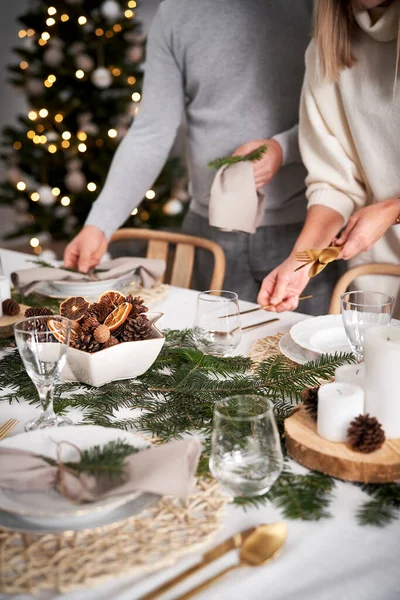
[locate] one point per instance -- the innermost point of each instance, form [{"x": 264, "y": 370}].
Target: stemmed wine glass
[
  {"x": 217, "y": 328},
  {"x": 361, "y": 311},
  {"x": 44, "y": 354}
]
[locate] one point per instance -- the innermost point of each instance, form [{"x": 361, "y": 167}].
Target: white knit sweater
[{"x": 350, "y": 130}]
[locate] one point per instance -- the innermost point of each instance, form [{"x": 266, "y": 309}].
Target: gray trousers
[{"x": 249, "y": 258}]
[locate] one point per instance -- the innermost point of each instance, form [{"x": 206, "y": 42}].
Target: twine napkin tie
[{"x": 164, "y": 470}]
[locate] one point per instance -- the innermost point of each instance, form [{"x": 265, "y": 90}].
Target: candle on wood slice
[
  {"x": 338, "y": 405},
  {"x": 354, "y": 374},
  {"x": 382, "y": 364}
]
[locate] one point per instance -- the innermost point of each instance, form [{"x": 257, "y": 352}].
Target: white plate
[
  {"x": 88, "y": 289},
  {"x": 56, "y": 525},
  {"x": 40, "y": 507},
  {"x": 296, "y": 353},
  {"x": 324, "y": 335}
]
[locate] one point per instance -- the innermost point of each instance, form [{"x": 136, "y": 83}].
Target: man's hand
[
  {"x": 283, "y": 286},
  {"x": 267, "y": 167},
  {"x": 367, "y": 226},
  {"x": 86, "y": 249}
]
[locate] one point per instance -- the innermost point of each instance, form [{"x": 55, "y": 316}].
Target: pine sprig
[
  {"x": 253, "y": 156},
  {"x": 384, "y": 506}
]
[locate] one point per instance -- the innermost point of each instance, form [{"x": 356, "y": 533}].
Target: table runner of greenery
[{"x": 176, "y": 396}]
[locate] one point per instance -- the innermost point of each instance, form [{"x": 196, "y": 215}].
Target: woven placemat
[
  {"x": 155, "y": 538},
  {"x": 150, "y": 295},
  {"x": 266, "y": 347}
]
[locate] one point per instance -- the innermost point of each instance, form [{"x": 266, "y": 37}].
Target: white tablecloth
[{"x": 333, "y": 559}]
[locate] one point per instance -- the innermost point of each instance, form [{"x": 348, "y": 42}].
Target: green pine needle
[{"x": 253, "y": 156}]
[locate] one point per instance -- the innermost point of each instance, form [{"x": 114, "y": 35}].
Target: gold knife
[{"x": 226, "y": 546}]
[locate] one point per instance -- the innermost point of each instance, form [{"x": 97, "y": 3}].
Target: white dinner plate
[
  {"x": 49, "y": 507},
  {"x": 323, "y": 335},
  {"x": 296, "y": 353},
  {"x": 88, "y": 289}
]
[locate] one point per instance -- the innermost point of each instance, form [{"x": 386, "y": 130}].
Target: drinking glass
[
  {"x": 246, "y": 455},
  {"x": 44, "y": 355},
  {"x": 361, "y": 311},
  {"x": 217, "y": 328}
]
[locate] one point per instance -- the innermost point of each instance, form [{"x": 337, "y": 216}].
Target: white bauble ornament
[
  {"x": 34, "y": 86},
  {"x": 111, "y": 10},
  {"x": 52, "y": 136},
  {"x": 173, "y": 207},
  {"x": 101, "y": 78},
  {"x": 75, "y": 180},
  {"x": 49, "y": 256},
  {"x": 47, "y": 197},
  {"x": 53, "y": 57},
  {"x": 84, "y": 62},
  {"x": 135, "y": 54}
]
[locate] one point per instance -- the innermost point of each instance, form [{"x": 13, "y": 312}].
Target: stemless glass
[
  {"x": 361, "y": 311},
  {"x": 246, "y": 455},
  {"x": 44, "y": 355},
  {"x": 217, "y": 328}
]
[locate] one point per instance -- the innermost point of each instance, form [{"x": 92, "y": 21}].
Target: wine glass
[
  {"x": 217, "y": 329},
  {"x": 361, "y": 311},
  {"x": 44, "y": 354},
  {"x": 246, "y": 455}
]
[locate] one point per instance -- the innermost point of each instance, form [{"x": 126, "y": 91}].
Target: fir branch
[
  {"x": 253, "y": 156},
  {"x": 384, "y": 506}
]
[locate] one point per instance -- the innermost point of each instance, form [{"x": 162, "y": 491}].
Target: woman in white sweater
[{"x": 350, "y": 143}]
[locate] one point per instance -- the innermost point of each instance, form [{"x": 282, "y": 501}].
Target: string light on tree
[
  {"x": 35, "y": 197},
  {"x": 21, "y": 186},
  {"x": 58, "y": 118},
  {"x": 43, "y": 112},
  {"x": 91, "y": 186},
  {"x": 32, "y": 115},
  {"x": 82, "y": 20},
  {"x": 136, "y": 97},
  {"x": 112, "y": 133},
  {"x": 79, "y": 74},
  {"x": 51, "y": 10},
  {"x": 101, "y": 78},
  {"x": 65, "y": 201},
  {"x": 56, "y": 191},
  {"x": 134, "y": 212},
  {"x": 34, "y": 242},
  {"x": 150, "y": 194}
]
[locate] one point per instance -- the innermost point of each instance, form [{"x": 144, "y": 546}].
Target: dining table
[{"x": 334, "y": 558}]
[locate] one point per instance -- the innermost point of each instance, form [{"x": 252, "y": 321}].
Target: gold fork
[{"x": 7, "y": 427}]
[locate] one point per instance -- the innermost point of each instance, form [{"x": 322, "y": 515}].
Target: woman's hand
[
  {"x": 366, "y": 227},
  {"x": 283, "y": 286},
  {"x": 86, "y": 249},
  {"x": 267, "y": 167}
]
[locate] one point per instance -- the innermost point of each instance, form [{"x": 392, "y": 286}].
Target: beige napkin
[
  {"x": 165, "y": 470},
  {"x": 149, "y": 269},
  {"x": 235, "y": 204}
]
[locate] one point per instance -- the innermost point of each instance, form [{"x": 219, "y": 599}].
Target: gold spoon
[{"x": 263, "y": 545}]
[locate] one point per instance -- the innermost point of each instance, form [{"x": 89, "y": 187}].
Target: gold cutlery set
[
  {"x": 258, "y": 545},
  {"x": 7, "y": 427},
  {"x": 318, "y": 259}
]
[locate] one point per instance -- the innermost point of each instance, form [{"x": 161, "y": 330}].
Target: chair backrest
[
  {"x": 159, "y": 245},
  {"x": 352, "y": 274}
]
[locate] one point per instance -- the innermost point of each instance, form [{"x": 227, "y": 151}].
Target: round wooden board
[
  {"x": 6, "y": 323},
  {"x": 338, "y": 459}
]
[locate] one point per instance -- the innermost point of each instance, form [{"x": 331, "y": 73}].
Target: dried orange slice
[
  {"x": 74, "y": 308},
  {"x": 118, "y": 316},
  {"x": 112, "y": 298},
  {"x": 58, "y": 330}
]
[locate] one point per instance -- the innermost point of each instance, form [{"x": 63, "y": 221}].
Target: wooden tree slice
[
  {"x": 6, "y": 323},
  {"x": 339, "y": 459}
]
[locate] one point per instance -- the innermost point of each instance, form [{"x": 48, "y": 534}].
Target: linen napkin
[
  {"x": 235, "y": 203},
  {"x": 164, "y": 470},
  {"x": 149, "y": 269}
]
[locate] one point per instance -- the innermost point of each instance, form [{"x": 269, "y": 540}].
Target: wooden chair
[
  {"x": 185, "y": 245},
  {"x": 352, "y": 274}
]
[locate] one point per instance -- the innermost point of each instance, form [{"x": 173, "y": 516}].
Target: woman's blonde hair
[{"x": 333, "y": 29}]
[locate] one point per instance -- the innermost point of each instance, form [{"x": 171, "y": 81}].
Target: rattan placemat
[{"x": 155, "y": 538}]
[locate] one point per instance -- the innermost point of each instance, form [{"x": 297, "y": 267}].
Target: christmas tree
[{"x": 80, "y": 66}]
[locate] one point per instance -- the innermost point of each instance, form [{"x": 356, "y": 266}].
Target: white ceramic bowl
[{"x": 123, "y": 361}]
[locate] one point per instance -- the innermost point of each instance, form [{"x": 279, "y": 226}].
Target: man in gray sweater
[{"x": 234, "y": 68}]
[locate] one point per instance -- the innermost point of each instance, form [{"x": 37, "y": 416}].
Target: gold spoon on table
[{"x": 262, "y": 546}]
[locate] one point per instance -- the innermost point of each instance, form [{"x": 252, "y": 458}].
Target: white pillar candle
[
  {"x": 382, "y": 364},
  {"x": 354, "y": 374},
  {"x": 338, "y": 405}
]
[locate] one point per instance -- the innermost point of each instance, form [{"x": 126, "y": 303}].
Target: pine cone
[
  {"x": 36, "y": 324},
  {"x": 85, "y": 341},
  {"x": 100, "y": 310},
  {"x": 38, "y": 311},
  {"x": 89, "y": 324},
  {"x": 365, "y": 434},
  {"x": 101, "y": 334},
  {"x": 310, "y": 401},
  {"x": 136, "y": 328},
  {"x": 137, "y": 304},
  {"x": 10, "y": 308},
  {"x": 111, "y": 342}
]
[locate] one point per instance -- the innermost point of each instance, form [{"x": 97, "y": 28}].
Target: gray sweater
[{"x": 234, "y": 68}]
